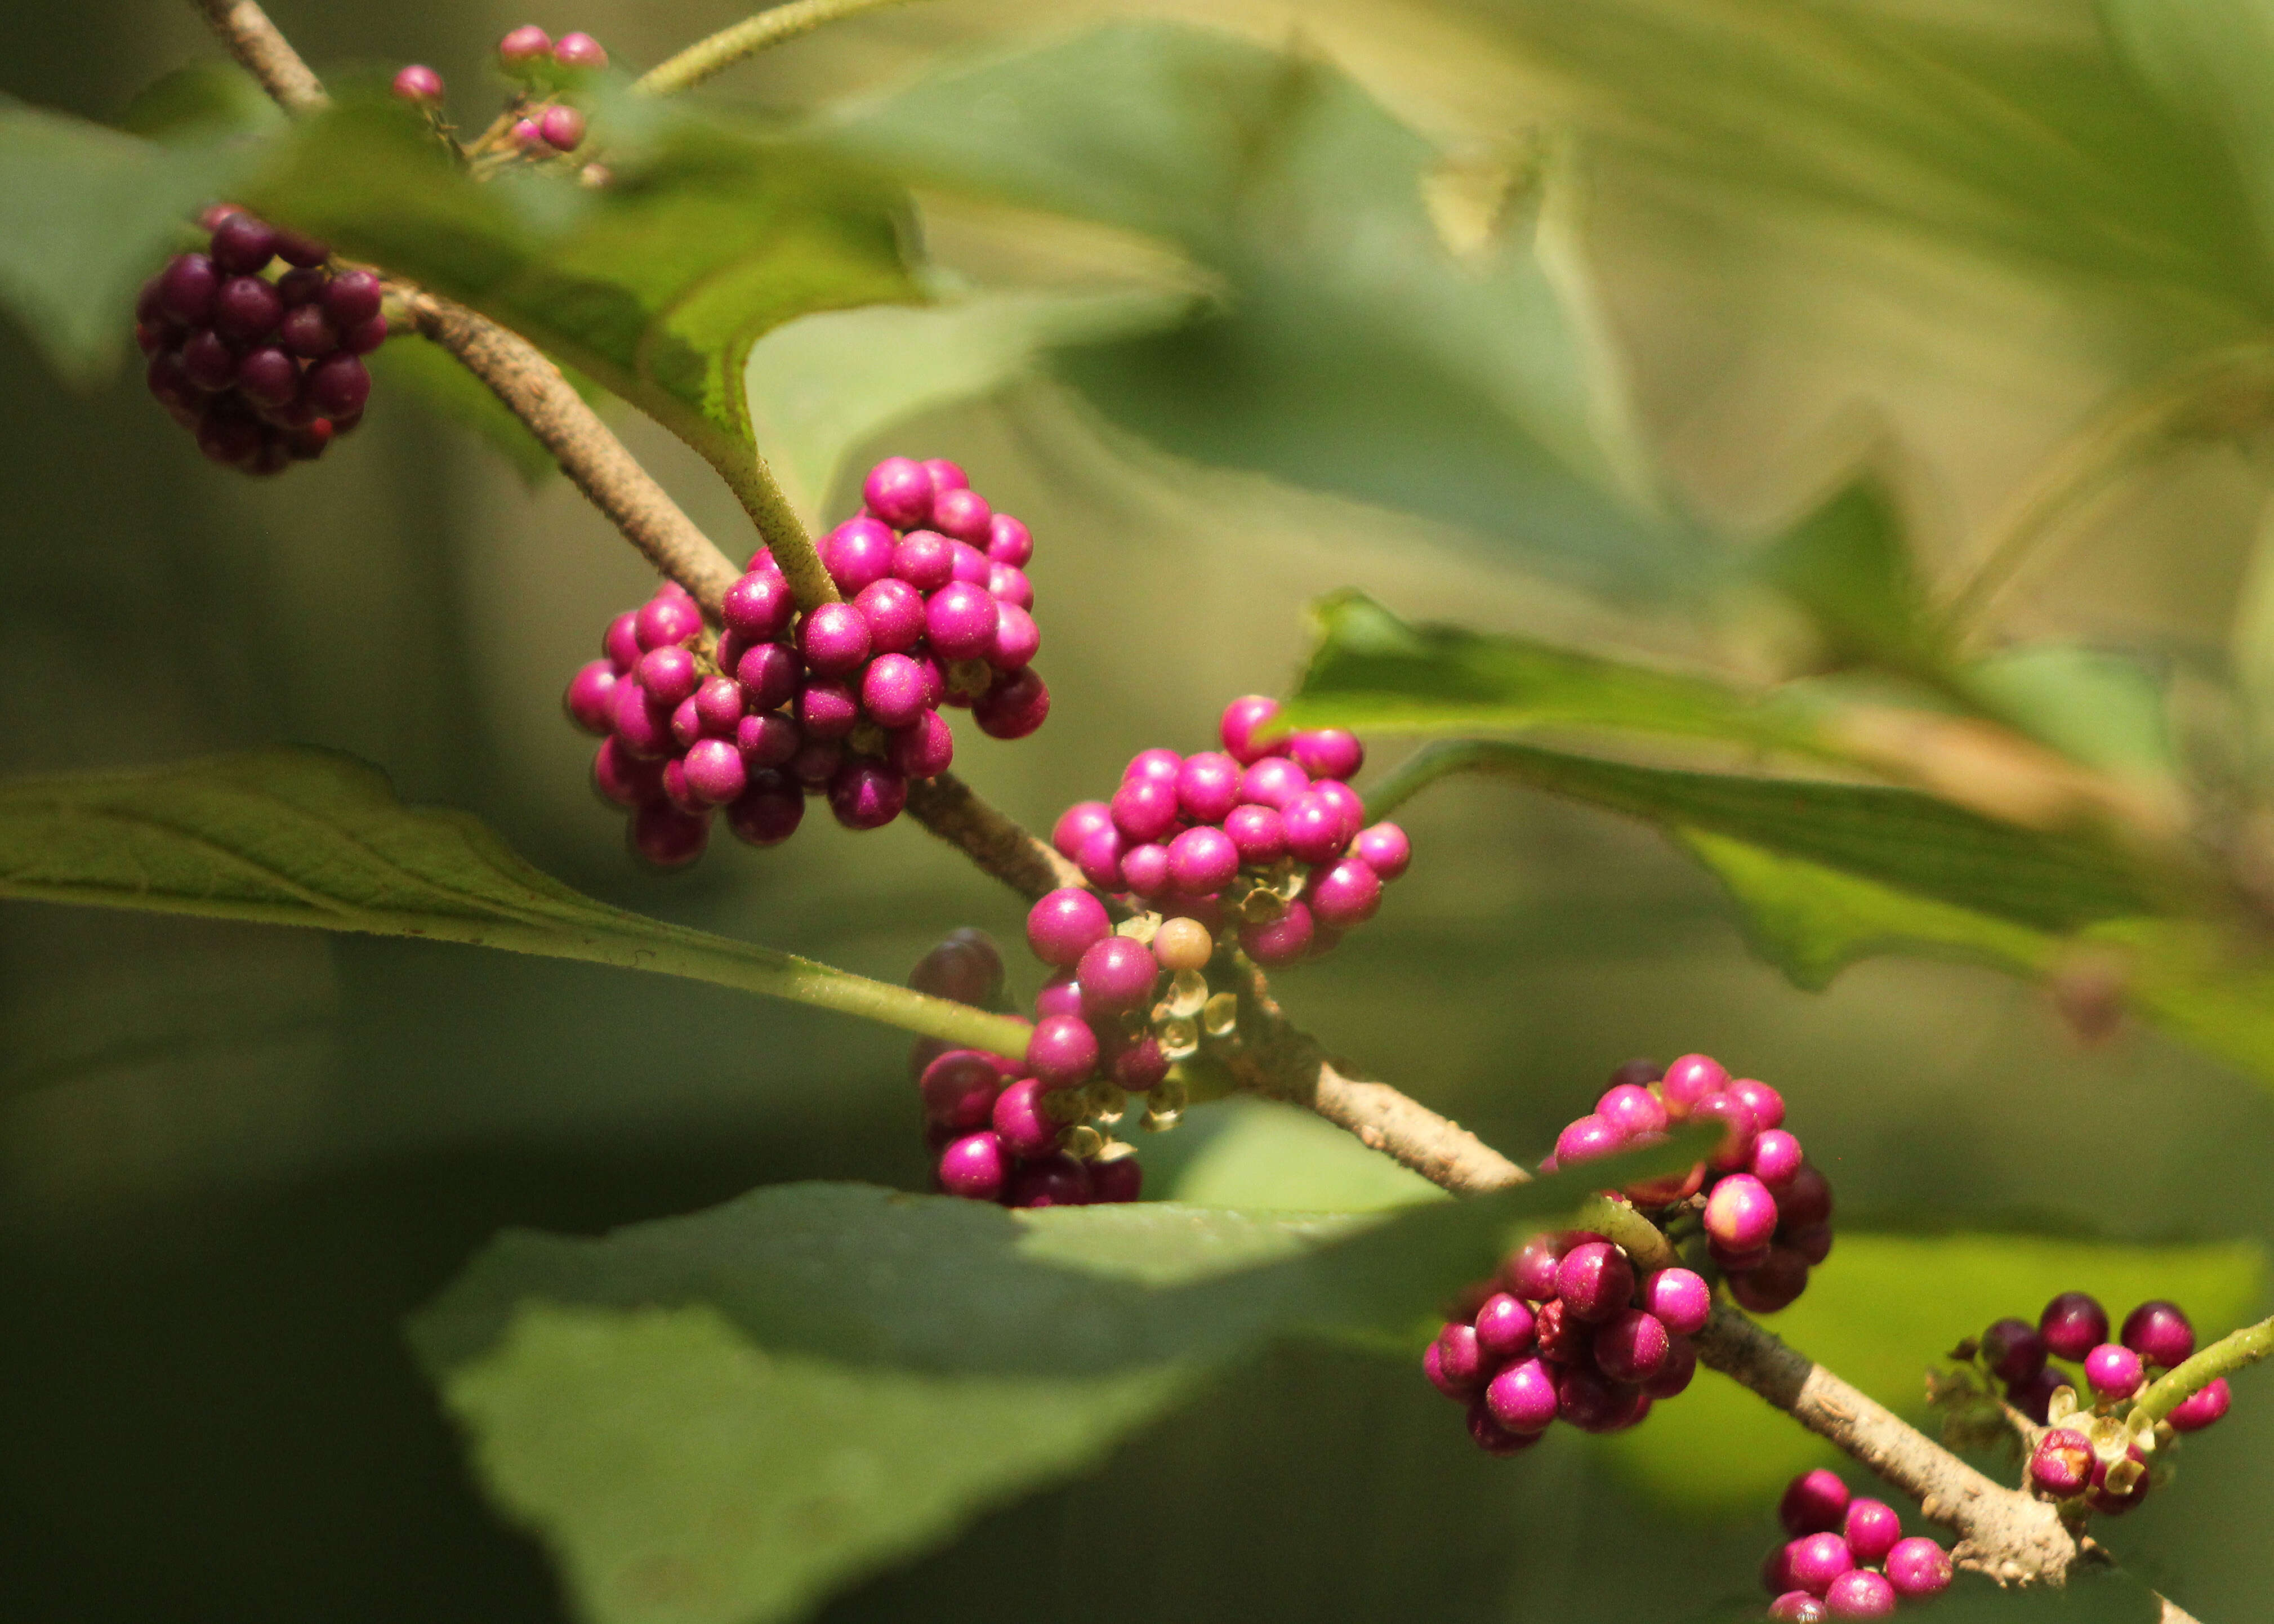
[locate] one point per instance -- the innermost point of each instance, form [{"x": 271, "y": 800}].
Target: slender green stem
[
  {"x": 1423, "y": 768},
  {"x": 752, "y": 482},
  {"x": 2224, "y": 1357},
  {"x": 729, "y": 46}
]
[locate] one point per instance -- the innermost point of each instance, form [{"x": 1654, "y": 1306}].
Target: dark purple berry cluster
[
  {"x": 1001, "y": 1136},
  {"x": 1847, "y": 1558},
  {"x": 842, "y": 700},
  {"x": 1568, "y": 1332},
  {"x": 265, "y": 370},
  {"x": 1266, "y": 841},
  {"x": 1766, "y": 1210},
  {"x": 2093, "y": 1458}
]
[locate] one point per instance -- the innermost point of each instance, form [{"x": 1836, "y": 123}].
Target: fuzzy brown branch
[
  {"x": 953, "y": 811},
  {"x": 265, "y": 53}
]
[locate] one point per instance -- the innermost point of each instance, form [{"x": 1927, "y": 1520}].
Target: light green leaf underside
[
  {"x": 1718, "y": 1448},
  {"x": 313, "y": 838},
  {"x": 722, "y": 1418}
]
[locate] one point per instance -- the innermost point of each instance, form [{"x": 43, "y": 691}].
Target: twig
[
  {"x": 729, "y": 46},
  {"x": 953, "y": 811},
  {"x": 266, "y": 53},
  {"x": 2229, "y": 1354}
]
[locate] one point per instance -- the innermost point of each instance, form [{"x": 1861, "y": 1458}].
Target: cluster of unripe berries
[
  {"x": 542, "y": 63},
  {"x": 1765, "y": 1209},
  {"x": 1003, "y": 1129},
  {"x": 2091, "y": 1458},
  {"x": 1566, "y": 1331},
  {"x": 263, "y": 370},
  {"x": 842, "y": 700},
  {"x": 1847, "y": 1558},
  {"x": 1267, "y": 840}
]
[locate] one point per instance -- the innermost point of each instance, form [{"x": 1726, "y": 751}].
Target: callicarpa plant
[{"x": 738, "y": 1415}]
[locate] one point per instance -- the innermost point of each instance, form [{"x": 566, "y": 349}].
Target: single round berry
[
  {"x": 768, "y": 675},
  {"x": 667, "y": 836},
  {"x": 1734, "y": 1149},
  {"x": 1258, "y": 834},
  {"x": 865, "y": 793},
  {"x": 1017, "y": 638},
  {"x": 187, "y": 288},
  {"x": 351, "y": 299},
  {"x": 1283, "y": 941},
  {"x": 1327, "y": 753},
  {"x": 1145, "y": 808},
  {"x": 1772, "y": 1285},
  {"x": 1122, "y": 1179},
  {"x": 1689, "y": 1080},
  {"x": 246, "y": 307},
  {"x": 2159, "y": 1333},
  {"x": 1273, "y": 781},
  {"x": 1806, "y": 1200},
  {"x": 768, "y": 812},
  {"x": 715, "y": 771},
  {"x": 1918, "y": 1568},
  {"x": 338, "y": 386},
  {"x": 1813, "y": 1503},
  {"x": 1595, "y": 1280},
  {"x": 826, "y": 709},
  {"x": 2072, "y": 1325},
  {"x": 1530, "y": 1272},
  {"x": 1314, "y": 828},
  {"x": 758, "y": 607},
  {"x": 588, "y": 695},
  {"x": 1816, "y": 1560},
  {"x": 1242, "y": 718},
  {"x": 1490, "y": 1436},
  {"x": 1008, "y": 584},
  {"x": 1386, "y": 850},
  {"x": 1860, "y": 1594},
  {"x": 1345, "y": 894},
  {"x": 924, "y": 750},
  {"x": 1679, "y": 1297},
  {"x": 892, "y": 691},
  {"x": 958, "y": 1089},
  {"x": 2200, "y": 1408},
  {"x": 364, "y": 337},
  {"x": 1145, "y": 868},
  {"x": 668, "y": 675},
  {"x": 1013, "y": 706},
  {"x": 641, "y": 722},
  {"x": 1776, "y": 1159},
  {"x": 834, "y": 638},
  {"x": 2114, "y": 1371},
  {"x": 1076, "y": 824},
  {"x": 967, "y": 968},
  {"x": 1064, "y": 925},
  {"x": 2013, "y": 1349},
  {"x": 623, "y": 778},
  {"x": 1138, "y": 1066},
  {"x": 1504, "y": 1327},
  {"x": 899, "y": 491},
  {"x": 974, "y": 1166},
  {"x": 1631, "y": 1110},
  {"x": 243, "y": 245},
  {"x": 524, "y": 47},
  {"x": 1741, "y": 1214},
  {"x": 1765, "y": 1102},
  {"x": 1589, "y": 1138},
  {"x": 1632, "y": 1346},
  {"x": 579, "y": 51},
  {"x": 963, "y": 514},
  {"x": 1054, "y": 1181},
  {"x": 1063, "y": 1050},
  {"x": 563, "y": 127},
  {"x": 1202, "y": 860},
  {"x": 1345, "y": 800},
  {"x": 2034, "y": 1397},
  {"x": 2061, "y": 1464},
  {"x": 924, "y": 560},
  {"x": 1523, "y": 1396},
  {"x": 1022, "y": 1121},
  {"x": 308, "y": 333},
  {"x": 1116, "y": 975},
  {"x": 1673, "y": 1376},
  {"x": 1183, "y": 944},
  {"x": 1798, "y": 1607},
  {"x": 1870, "y": 1529},
  {"x": 1009, "y": 542}
]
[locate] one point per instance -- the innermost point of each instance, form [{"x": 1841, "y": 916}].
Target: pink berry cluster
[
  {"x": 2092, "y": 1458},
  {"x": 841, "y": 700},
  {"x": 539, "y": 127},
  {"x": 265, "y": 370},
  {"x": 1766, "y": 1210},
  {"x": 1567, "y": 1332},
  {"x": 1269, "y": 840},
  {"x": 998, "y": 1135},
  {"x": 1846, "y": 1557}
]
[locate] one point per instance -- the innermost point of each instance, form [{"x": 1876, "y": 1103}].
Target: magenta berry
[
  {"x": 1523, "y": 1396},
  {"x": 1345, "y": 894},
  {"x": 1735, "y": 1149},
  {"x": 1273, "y": 781},
  {"x": 962, "y": 514},
  {"x": 1673, "y": 1376},
  {"x": 2062, "y": 1463},
  {"x": 561, "y": 127},
  {"x": 1806, "y": 1200},
  {"x": 1490, "y": 1436},
  {"x": 1530, "y": 1273},
  {"x": 1202, "y": 860},
  {"x": 1327, "y": 753},
  {"x": 826, "y": 709},
  {"x": 524, "y": 48},
  {"x": 1504, "y": 1327},
  {"x": 864, "y": 793},
  {"x": 1242, "y": 719},
  {"x": 1116, "y": 975},
  {"x": 1017, "y": 638},
  {"x": 758, "y": 607},
  {"x": 1258, "y": 833},
  {"x": 579, "y": 51},
  {"x": 1870, "y": 1529},
  {"x": 1775, "y": 1159},
  {"x": 768, "y": 812},
  {"x": 958, "y": 1089},
  {"x": 1594, "y": 1280},
  {"x": 1917, "y": 1567},
  {"x": 1680, "y": 1298},
  {"x": 1314, "y": 828},
  {"x": 1145, "y": 808},
  {"x": 1816, "y": 1559},
  {"x": 974, "y": 1166},
  {"x": 1798, "y": 1607},
  {"x": 1632, "y": 1346},
  {"x": 1009, "y": 542},
  {"x": 2159, "y": 1333},
  {"x": 2114, "y": 1371},
  {"x": 1772, "y": 1284},
  {"x": 2013, "y": 1350},
  {"x": 834, "y": 638},
  {"x": 1860, "y": 1594},
  {"x": 587, "y": 698},
  {"x": 892, "y": 691},
  {"x": 1063, "y": 1050},
  {"x": 715, "y": 771},
  {"x": 2072, "y": 1325},
  {"x": 1021, "y": 1120},
  {"x": 1063, "y": 926},
  {"x": 1283, "y": 941},
  {"x": 1764, "y": 1103},
  {"x": 1145, "y": 868},
  {"x": 1586, "y": 1139},
  {"x": 858, "y": 553},
  {"x": 1013, "y": 706},
  {"x": 1688, "y": 1080},
  {"x": 1814, "y": 1503},
  {"x": 1631, "y": 1110},
  {"x": 1741, "y": 1214},
  {"x": 1587, "y": 1399},
  {"x": 2200, "y": 1408}
]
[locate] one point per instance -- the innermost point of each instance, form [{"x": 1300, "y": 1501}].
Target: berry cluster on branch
[
  {"x": 1846, "y": 1557},
  {"x": 255, "y": 343},
  {"x": 841, "y": 700},
  {"x": 538, "y": 124}
]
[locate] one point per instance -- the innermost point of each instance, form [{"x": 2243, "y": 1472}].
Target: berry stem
[
  {"x": 768, "y": 28},
  {"x": 752, "y": 482},
  {"x": 265, "y": 53},
  {"x": 2229, "y": 1354}
]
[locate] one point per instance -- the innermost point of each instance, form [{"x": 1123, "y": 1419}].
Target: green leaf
[
  {"x": 1374, "y": 671},
  {"x": 1354, "y": 349},
  {"x": 1849, "y": 566},
  {"x": 2103, "y": 709},
  {"x": 311, "y": 837},
  {"x": 85, "y": 213},
  {"x": 1269, "y": 1157},
  {"x": 821, "y": 386},
  {"x": 722, "y": 1418},
  {"x": 1720, "y": 1449},
  {"x": 656, "y": 285},
  {"x": 204, "y": 103}
]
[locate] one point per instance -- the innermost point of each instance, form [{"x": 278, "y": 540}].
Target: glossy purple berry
[
  {"x": 1116, "y": 975},
  {"x": 2061, "y": 1464},
  {"x": 1009, "y": 542},
  {"x": 1243, "y": 717},
  {"x": 2013, "y": 1350},
  {"x": 1741, "y": 1214},
  {"x": 187, "y": 288},
  {"x": 1258, "y": 833},
  {"x": 866, "y": 794},
  {"x": 1673, "y": 1376},
  {"x": 1860, "y": 1594},
  {"x": 351, "y": 299},
  {"x": 1772, "y": 1285},
  {"x": 1282, "y": 942},
  {"x": 718, "y": 707},
  {"x": 1053, "y": 1181},
  {"x": 1385, "y": 849},
  {"x": 1154, "y": 766},
  {"x": 899, "y": 491},
  {"x": 668, "y": 675},
  {"x": 826, "y": 707},
  {"x": 1776, "y": 1159},
  {"x": 1588, "y": 1400},
  {"x": 579, "y": 51},
  {"x": 974, "y": 1166},
  {"x": 664, "y": 835},
  {"x": 1327, "y": 753},
  {"x": 970, "y": 565},
  {"x": 1523, "y": 1396},
  {"x": 966, "y": 968},
  {"x": 1145, "y": 868},
  {"x": 858, "y": 553},
  {"x": 1689, "y": 1080},
  {"x": 1595, "y": 1280},
  {"x": 924, "y": 750},
  {"x": 2204, "y": 1406},
  {"x": 2072, "y": 1325},
  {"x": 1735, "y": 1147},
  {"x": 1022, "y": 1121},
  {"x": 1452, "y": 1363},
  {"x": 1008, "y": 585},
  {"x": 834, "y": 639},
  {"x": 1014, "y": 705},
  {"x": 1813, "y": 1503},
  {"x": 1870, "y": 1529},
  {"x": 1631, "y": 1110},
  {"x": 1589, "y": 1138},
  {"x": 588, "y": 695},
  {"x": 1099, "y": 857},
  {"x": 623, "y": 778},
  {"x": 1064, "y": 925},
  {"x": 1798, "y": 1607},
  {"x": 758, "y": 607},
  {"x": 2114, "y": 1371},
  {"x": 1918, "y": 1568},
  {"x": 1679, "y": 1297},
  {"x": 1314, "y": 828},
  {"x": 892, "y": 691},
  {"x": 1273, "y": 781},
  {"x": 640, "y": 722},
  {"x": 1765, "y": 1102},
  {"x": 561, "y": 126},
  {"x": 963, "y": 514},
  {"x": 1076, "y": 824},
  {"x": 1529, "y": 1271},
  {"x": 1632, "y": 1346},
  {"x": 959, "y": 621},
  {"x": 1345, "y": 894},
  {"x": 1145, "y": 808},
  {"x": 2159, "y": 1333},
  {"x": 307, "y": 332},
  {"x": 243, "y": 245},
  {"x": 715, "y": 771},
  {"x": 924, "y": 560},
  {"x": 1504, "y": 1327},
  {"x": 1017, "y": 638},
  {"x": 1815, "y": 1560},
  {"x": 1063, "y": 1050},
  {"x": 768, "y": 812},
  {"x": 338, "y": 386},
  {"x": 1202, "y": 860},
  {"x": 768, "y": 675},
  {"x": 246, "y": 307}
]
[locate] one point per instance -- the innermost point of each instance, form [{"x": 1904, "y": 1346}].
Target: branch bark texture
[
  {"x": 729, "y": 46},
  {"x": 265, "y": 52}
]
